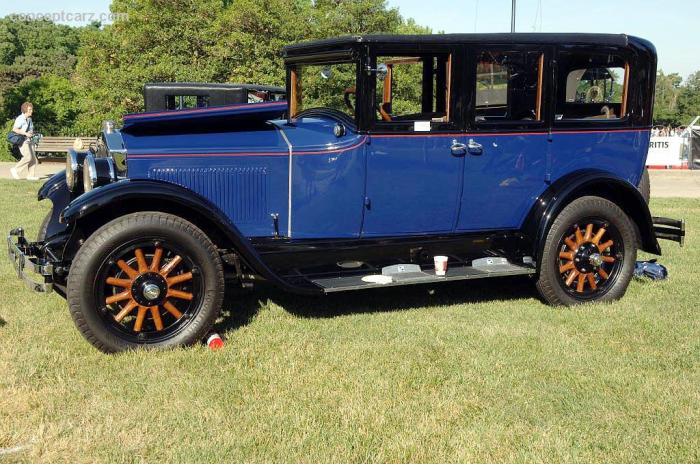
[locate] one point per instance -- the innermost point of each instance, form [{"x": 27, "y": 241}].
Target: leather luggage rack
[{"x": 669, "y": 229}]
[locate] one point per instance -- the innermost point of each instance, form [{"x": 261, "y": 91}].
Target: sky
[{"x": 670, "y": 24}]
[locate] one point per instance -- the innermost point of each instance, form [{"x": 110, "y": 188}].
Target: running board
[{"x": 480, "y": 269}]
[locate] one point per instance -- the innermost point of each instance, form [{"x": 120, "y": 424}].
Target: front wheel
[
  {"x": 589, "y": 253},
  {"x": 149, "y": 280}
]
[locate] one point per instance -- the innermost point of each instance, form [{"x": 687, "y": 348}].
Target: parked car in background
[
  {"x": 161, "y": 96},
  {"x": 510, "y": 154}
]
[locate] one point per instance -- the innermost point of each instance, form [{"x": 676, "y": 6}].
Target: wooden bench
[{"x": 56, "y": 148}]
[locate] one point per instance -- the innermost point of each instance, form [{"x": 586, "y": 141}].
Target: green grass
[{"x": 478, "y": 372}]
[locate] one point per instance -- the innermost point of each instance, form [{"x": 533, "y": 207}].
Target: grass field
[{"x": 478, "y": 372}]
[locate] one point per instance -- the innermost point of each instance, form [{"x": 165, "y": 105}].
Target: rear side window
[
  {"x": 413, "y": 91},
  {"x": 592, "y": 87},
  {"x": 508, "y": 86}
]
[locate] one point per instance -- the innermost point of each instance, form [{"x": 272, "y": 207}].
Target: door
[
  {"x": 506, "y": 165},
  {"x": 415, "y": 154}
]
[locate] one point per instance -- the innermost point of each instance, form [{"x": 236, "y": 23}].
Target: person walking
[{"x": 24, "y": 126}]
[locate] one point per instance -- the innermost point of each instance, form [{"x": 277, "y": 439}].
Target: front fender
[
  {"x": 55, "y": 190},
  {"x": 144, "y": 191},
  {"x": 596, "y": 183}
]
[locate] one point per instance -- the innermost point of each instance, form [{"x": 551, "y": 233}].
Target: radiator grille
[{"x": 241, "y": 193}]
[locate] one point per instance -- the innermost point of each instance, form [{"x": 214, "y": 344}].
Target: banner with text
[{"x": 665, "y": 151}]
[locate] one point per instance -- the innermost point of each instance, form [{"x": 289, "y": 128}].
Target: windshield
[{"x": 324, "y": 86}]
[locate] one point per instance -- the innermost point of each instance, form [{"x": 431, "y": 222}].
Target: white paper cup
[{"x": 440, "y": 265}]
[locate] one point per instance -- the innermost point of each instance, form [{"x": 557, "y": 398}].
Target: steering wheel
[{"x": 346, "y": 97}]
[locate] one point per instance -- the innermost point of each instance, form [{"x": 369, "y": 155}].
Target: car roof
[{"x": 616, "y": 40}]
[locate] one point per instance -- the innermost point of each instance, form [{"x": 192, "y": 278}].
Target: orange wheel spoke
[
  {"x": 566, "y": 267},
  {"x": 581, "y": 281},
  {"x": 589, "y": 232},
  {"x": 180, "y": 295},
  {"x": 125, "y": 295},
  {"x": 169, "y": 307},
  {"x": 138, "y": 325},
  {"x": 124, "y": 283},
  {"x": 155, "y": 314},
  {"x": 608, "y": 259},
  {"x": 579, "y": 237},
  {"x": 155, "y": 262},
  {"x": 602, "y": 247},
  {"x": 167, "y": 269},
  {"x": 565, "y": 255},
  {"x": 598, "y": 236},
  {"x": 179, "y": 279},
  {"x": 141, "y": 260},
  {"x": 126, "y": 310},
  {"x": 602, "y": 273},
  {"x": 570, "y": 243},
  {"x": 572, "y": 276},
  {"x": 591, "y": 281},
  {"x": 128, "y": 270}
]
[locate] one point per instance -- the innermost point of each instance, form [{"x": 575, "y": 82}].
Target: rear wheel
[
  {"x": 589, "y": 254},
  {"x": 148, "y": 280}
]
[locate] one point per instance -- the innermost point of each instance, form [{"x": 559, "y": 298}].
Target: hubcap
[
  {"x": 151, "y": 291},
  {"x": 596, "y": 259}
]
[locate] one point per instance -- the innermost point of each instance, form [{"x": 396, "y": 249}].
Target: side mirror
[
  {"x": 382, "y": 71},
  {"x": 326, "y": 73}
]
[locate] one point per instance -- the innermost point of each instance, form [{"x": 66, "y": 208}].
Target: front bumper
[
  {"x": 26, "y": 256},
  {"x": 669, "y": 229}
]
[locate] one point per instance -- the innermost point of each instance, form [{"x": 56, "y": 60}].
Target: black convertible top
[{"x": 616, "y": 40}]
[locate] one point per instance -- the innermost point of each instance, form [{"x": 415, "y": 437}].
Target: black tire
[
  {"x": 103, "y": 324},
  {"x": 41, "y": 236},
  {"x": 645, "y": 186},
  {"x": 566, "y": 260}
]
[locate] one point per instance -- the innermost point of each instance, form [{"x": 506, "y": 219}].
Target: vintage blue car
[{"x": 508, "y": 154}]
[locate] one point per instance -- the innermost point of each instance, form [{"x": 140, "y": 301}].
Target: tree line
[{"x": 78, "y": 77}]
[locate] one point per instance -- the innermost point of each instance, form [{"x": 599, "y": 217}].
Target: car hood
[{"x": 247, "y": 113}]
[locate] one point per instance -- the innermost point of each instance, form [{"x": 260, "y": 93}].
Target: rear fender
[
  {"x": 105, "y": 203},
  {"x": 594, "y": 183}
]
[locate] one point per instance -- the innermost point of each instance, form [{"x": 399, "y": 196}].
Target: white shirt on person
[{"x": 23, "y": 123}]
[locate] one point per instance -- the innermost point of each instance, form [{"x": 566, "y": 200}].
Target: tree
[
  {"x": 689, "y": 99},
  {"x": 32, "y": 48},
  {"x": 668, "y": 88},
  {"x": 161, "y": 40},
  {"x": 210, "y": 41}
]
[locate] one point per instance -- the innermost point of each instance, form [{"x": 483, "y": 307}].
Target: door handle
[
  {"x": 458, "y": 149},
  {"x": 475, "y": 148}
]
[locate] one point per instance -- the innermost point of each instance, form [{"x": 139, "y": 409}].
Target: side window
[
  {"x": 413, "y": 92},
  {"x": 182, "y": 102},
  {"x": 592, "y": 87},
  {"x": 508, "y": 86},
  {"x": 330, "y": 86}
]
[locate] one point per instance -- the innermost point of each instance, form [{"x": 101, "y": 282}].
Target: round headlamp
[
  {"x": 74, "y": 167},
  {"x": 98, "y": 172}
]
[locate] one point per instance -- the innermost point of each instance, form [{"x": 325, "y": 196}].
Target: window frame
[
  {"x": 296, "y": 94},
  {"x": 410, "y": 50},
  {"x": 627, "y": 104},
  {"x": 543, "y": 90}
]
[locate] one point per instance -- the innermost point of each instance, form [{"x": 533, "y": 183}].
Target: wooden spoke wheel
[
  {"x": 149, "y": 289},
  {"x": 150, "y": 280},
  {"x": 589, "y": 257},
  {"x": 588, "y": 254}
]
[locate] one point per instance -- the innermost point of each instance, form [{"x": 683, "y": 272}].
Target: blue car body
[{"x": 294, "y": 192}]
